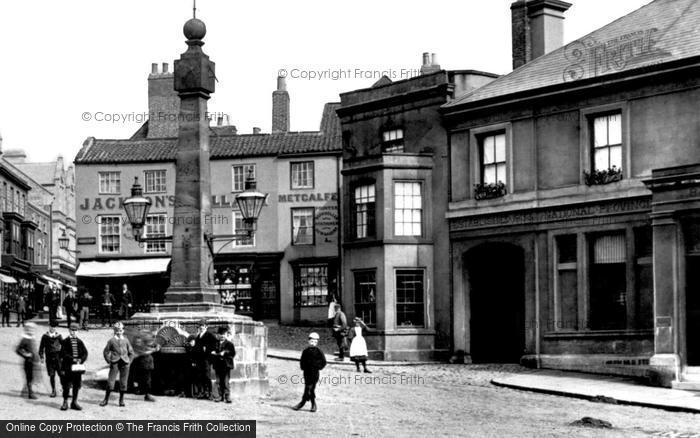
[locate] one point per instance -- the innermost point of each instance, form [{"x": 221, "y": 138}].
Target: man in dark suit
[
  {"x": 21, "y": 310},
  {"x": 106, "y": 302},
  {"x": 204, "y": 344},
  {"x": 222, "y": 359},
  {"x": 70, "y": 305},
  {"x": 73, "y": 352},
  {"x": 118, "y": 353}
]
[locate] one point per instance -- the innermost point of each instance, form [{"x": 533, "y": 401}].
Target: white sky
[{"x": 63, "y": 58}]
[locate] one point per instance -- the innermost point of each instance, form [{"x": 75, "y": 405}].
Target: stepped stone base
[{"x": 175, "y": 321}]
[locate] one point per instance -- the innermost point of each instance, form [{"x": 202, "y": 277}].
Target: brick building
[{"x": 286, "y": 272}]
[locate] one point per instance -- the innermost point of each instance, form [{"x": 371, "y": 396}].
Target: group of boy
[
  {"x": 63, "y": 356},
  {"x": 208, "y": 351}
]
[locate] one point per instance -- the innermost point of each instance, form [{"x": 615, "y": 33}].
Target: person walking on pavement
[
  {"x": 107, "y": 302},
  {"x": 54, "y": 300},
  {"x": 70, "y": 305},
  {"x": 312, "y": 361},
  {"x": 358, "y": 346},
  {"x": 50, "y": 353},
  {"x": 84, "y": 302},
  {"x": 127, "y": 302},
  {"x": 5, "y": 310},
  {"x": 204, "y": 344},
  {"x": 73, "y": 357},
  {"x": 27, "y": 349},
  {"x": 21, "y": 310},
  {"x": 340, "y": 331},
  {"x": 222, "y": 359},
  {"x": 144, "y": 347},
  {"x": 118, "y": 353}
]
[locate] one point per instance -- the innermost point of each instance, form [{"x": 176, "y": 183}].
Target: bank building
[
  {"x": 574, "y": 198},
  {"x": 290, "y": 266}
]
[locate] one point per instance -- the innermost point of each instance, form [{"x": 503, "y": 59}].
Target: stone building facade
[{"x": 573, "y": 201}]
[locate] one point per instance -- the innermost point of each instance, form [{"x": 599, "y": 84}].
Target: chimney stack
[
  {"x": 280, "y": 107},
  {"x": 537, "y": 28},
  {"x": 430, "y": 64},
  {"x": 163, "y": 103},
  {"x": 256, "y": 130}
]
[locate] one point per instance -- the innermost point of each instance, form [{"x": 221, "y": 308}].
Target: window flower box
[
  {"x": 600, "y": 177},
  {"x": 489, "y": 191}
]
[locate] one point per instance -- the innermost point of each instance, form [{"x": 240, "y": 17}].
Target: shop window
[
  {"x": 239, "y": 173},
  {"x": 155, "y": 181},
  {"x": 566, "y": 283},
  {"x": 644, "y": 277},
  {"x": 311, "y": 285},
  {"x": 608, "y": 282},
  {"x": 110, "y": 234},
  {"x": 409, "y": 298},
  {"x": 239, "y": 227},
  {"x": 302, "y": 175},
  {"x": 110, "y": 182},
  {"x": 302, "y": 226},
  {"x": 392, "y": 141},
  {"x": 366, "y": 296},
  {"x": 364, "y": 214},
  {"x": 155, "y": 227},
  {"x": 408, "y": 209}
]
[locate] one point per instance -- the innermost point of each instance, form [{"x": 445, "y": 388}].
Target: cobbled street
[{"x": 441, "y": 400}]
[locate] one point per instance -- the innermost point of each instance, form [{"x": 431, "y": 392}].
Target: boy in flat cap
[
  {"x": 222, "y": 359},
  {"x": 50, "y": 352},
  {"x": 73, "y": 352},
  {"x": 27, "y": 349},
  {"x": 312, "y": 361},
  {"x": 118, "y": 353}
]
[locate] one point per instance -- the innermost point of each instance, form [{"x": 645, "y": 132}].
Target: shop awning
[
  {"x": 122, "y": 267},
  {"x": 53, "y": 281},
  {"x": 7, "y": 279}
]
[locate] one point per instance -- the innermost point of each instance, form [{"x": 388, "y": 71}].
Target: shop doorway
[
  {"x": 692, "y": 313},
  {"x": 496, "y": 285}
]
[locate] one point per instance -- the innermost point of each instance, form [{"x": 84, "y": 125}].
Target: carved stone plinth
[{"x": 173, "y": 323}]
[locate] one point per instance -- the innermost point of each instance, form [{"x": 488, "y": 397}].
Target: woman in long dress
[{"x": 358, "y": 348}]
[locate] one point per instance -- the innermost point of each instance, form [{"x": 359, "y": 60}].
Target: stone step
[{"x": 687, "y": 385}]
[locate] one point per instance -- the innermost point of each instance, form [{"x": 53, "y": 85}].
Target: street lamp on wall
[
  {"x": 250, "y": 203},
  {"x": 64, "y": 242}
]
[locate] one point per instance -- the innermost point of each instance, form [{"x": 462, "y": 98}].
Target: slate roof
[
  {"x": 660, "y": 32},
  {"x": 43, "y": 173},
  {"x": 223, "y": 144}
]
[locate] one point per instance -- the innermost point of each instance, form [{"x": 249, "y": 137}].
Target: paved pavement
[{"x": 618, "y": 390}]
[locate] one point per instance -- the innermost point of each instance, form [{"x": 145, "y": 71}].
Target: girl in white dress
[{"x": 358, "y": 348}]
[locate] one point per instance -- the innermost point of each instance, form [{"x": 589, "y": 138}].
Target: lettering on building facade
[
  {"x": 307, "y": 197},
  {"x": 591, "y": 211}
]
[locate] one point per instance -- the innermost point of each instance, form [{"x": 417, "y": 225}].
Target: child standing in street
[
  {"x": 358, "y": 348},
  {"x": 312, "y": 361},
  {"x": 222, "y": 360},
  {"x": 50, "y": 346},
  {"x": 27, "y": 349},
  {"x": 5, "y": 310}
]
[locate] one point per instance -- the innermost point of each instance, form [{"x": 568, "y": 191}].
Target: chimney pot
[
  {"x": 281, "y": 83},
  {"x": 433, "y": 59},
  {"x": 256, "y": 130},
  {"x": 220, "y": 121},
  {"x": 165, "y": 67},
  {"x": 426, "y": 59},
  {"x": 154, "y": 68}
]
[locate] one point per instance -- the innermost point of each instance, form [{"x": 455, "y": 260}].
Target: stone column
[
  {"x": 191, "y": 259},
  {"x": 666, "y": 361}
]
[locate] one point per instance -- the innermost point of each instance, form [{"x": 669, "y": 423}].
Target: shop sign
[{"x": 326, "y": 221}]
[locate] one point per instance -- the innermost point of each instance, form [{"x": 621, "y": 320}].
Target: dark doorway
[
  {"x": 496, "y": 284},
  {"x": 692, "y": 314}
]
